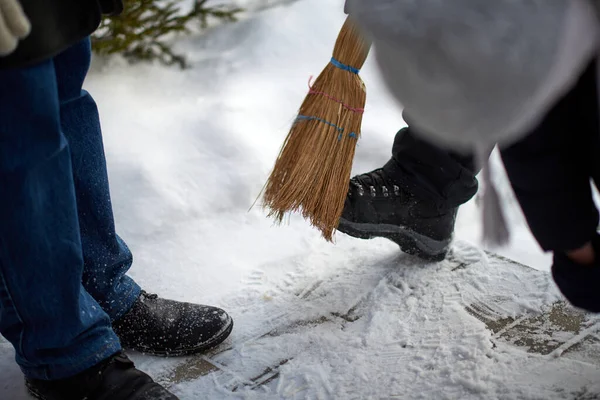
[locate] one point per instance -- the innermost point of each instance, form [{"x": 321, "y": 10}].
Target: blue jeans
[{"x": 62, "y": 266}]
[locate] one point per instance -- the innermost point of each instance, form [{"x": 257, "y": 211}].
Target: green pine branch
[{"x": 140, "y": 32}]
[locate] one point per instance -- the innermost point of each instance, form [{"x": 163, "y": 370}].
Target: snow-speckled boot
[
  {"x": 171, "y": 328},
  {"x": 113, "y": 379}
]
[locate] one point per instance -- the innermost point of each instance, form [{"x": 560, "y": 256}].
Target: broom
[{"x": 312, "y": 171}]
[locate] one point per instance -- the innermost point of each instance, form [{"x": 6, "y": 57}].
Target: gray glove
[{"x": 14, "y": 25}]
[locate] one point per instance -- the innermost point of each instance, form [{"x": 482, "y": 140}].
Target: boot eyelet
[
  {"x": 385, "y": 192},
  {"x": 373, "y": 191}
]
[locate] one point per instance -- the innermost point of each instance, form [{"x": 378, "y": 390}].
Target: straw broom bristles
[{"x": 312, "y": 171}]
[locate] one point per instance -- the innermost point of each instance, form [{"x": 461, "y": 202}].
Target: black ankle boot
[
  {"x": 376, "y": 206},
  {"x": 171, "y": 328},
  {"x": 113, "y": 379}
]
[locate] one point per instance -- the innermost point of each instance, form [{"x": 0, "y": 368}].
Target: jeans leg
[
  {"x": 106, "y": 256},
  {"x": 55, "y": 326}
]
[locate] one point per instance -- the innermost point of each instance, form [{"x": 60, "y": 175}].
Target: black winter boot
[
  {"x": 113, "y": 379},
  {"x": 170, "y": 328},
  {"x": 376, "y": 206}
]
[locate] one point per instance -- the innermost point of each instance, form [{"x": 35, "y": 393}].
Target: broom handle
[
  {"x": 352, "y": 46},
  {"x": 367, "y": 41}
]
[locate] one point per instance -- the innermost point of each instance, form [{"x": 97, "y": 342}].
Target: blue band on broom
[{"x": 344, "y": 66}]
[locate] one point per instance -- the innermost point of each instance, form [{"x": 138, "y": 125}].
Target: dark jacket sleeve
[
  {"x": 55, "y": 26},
  {"x": 111, "y": 7}
]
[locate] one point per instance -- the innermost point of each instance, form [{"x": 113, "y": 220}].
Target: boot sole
[
  {"x": 32, "y": 391},
  {"x": 409, "y": 241},
  {"x": 214, "y": 341}
]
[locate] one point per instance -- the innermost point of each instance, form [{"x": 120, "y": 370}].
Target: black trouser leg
[
  {"x": 551, "y": 168},
  {"x": 550, "y": 171},
  {"x": 431, "y": 173}
]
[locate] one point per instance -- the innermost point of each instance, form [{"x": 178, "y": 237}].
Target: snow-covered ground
[{"x": 188, "y": 153}]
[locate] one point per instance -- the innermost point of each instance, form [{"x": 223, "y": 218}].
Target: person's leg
[
  {"x": 550, "y": 171},
  {"x": 106, "y": 257},
  {"x": 55, "y": 326},
  {"x": 551, "y": 168},
  {"x": 413, "y": 199},
  {"x": 142, "y": 321}
]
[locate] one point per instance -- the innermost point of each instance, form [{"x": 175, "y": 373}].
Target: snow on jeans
[{"x": 62, "y": 267}]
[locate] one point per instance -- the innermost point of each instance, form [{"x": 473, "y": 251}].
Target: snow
[{"x": 188, "y": 153}]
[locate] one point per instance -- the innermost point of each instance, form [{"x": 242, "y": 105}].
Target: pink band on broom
[{"x": 311, "y": 91}]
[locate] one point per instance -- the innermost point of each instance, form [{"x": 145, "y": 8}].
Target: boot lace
[
  {"x": 149, "y": 296},
  {"x": 374, "y": 182}
]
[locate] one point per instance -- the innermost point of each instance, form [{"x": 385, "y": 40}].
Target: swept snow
[{"x": 188, "y": 153}]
